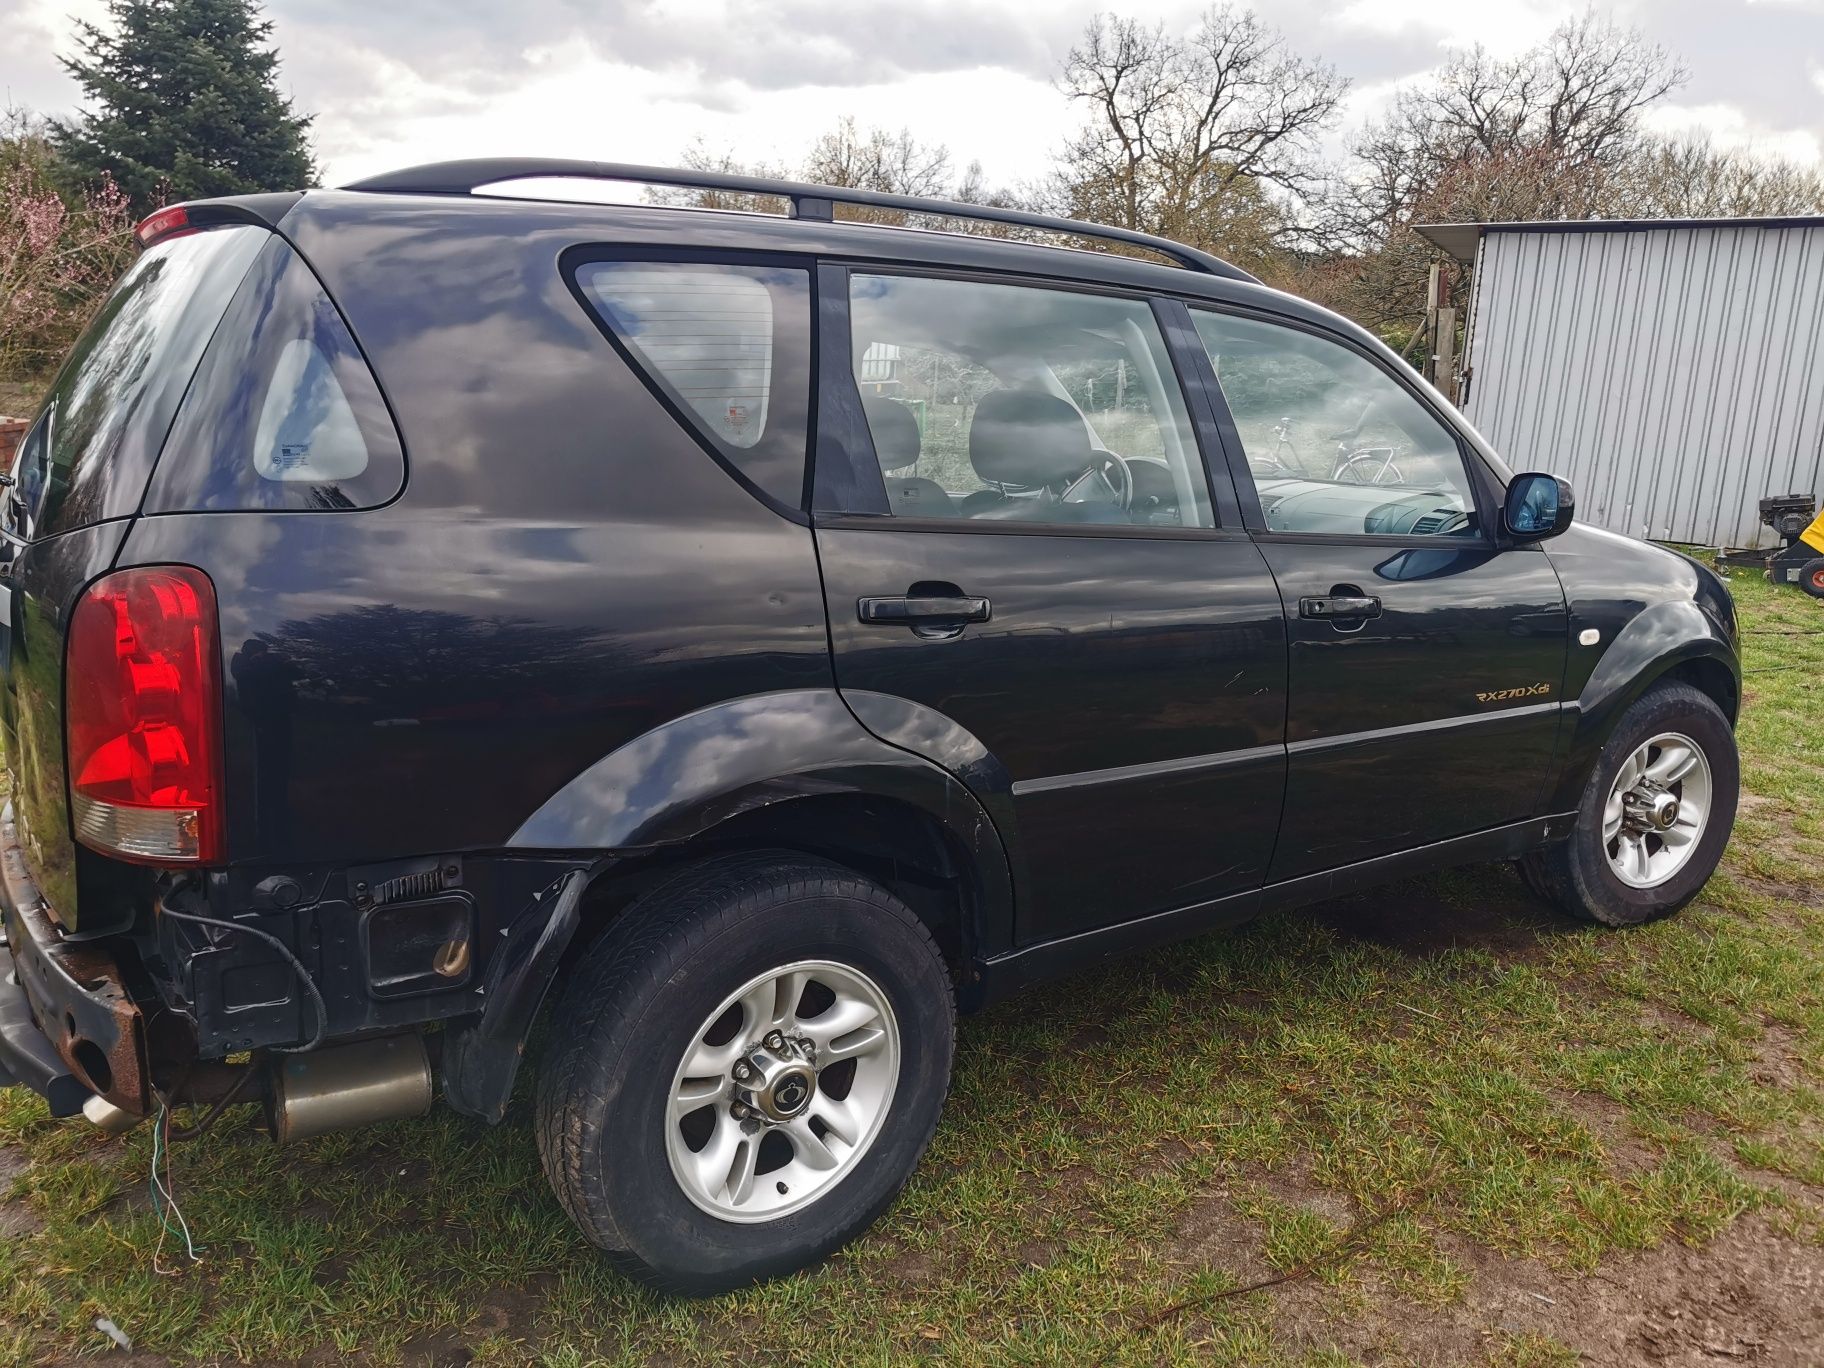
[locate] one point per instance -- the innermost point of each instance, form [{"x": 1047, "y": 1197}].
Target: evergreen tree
[{"x": 184, "y": 104}]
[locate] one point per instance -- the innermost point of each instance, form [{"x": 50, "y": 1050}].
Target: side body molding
[
  {"x": 685, "y": 777},
  {"x": 1653, "y": 641}
]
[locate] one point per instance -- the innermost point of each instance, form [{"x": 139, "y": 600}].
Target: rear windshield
[{"x": 101, "y": 429}]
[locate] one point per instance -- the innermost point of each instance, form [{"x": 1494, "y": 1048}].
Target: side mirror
[{"x": 1538, "y": 505}]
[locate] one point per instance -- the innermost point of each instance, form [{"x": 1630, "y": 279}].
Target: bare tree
[
  {"x": 1185, "y": 135},
  {"x": 1567, "y": 112},
  {"x": 846, "y": 156},
  {"x": 1690, "y": 177},
  {"x": 1554, "y": 132},
  {"x": 893, "y": 163}
]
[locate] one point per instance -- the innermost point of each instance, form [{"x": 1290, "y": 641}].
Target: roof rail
[{"x": 813, "y": 202}]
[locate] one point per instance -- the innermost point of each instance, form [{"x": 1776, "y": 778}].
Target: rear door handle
[
  {"x": 905, "y": 610},
  {"x": 1340, "y": 607}
]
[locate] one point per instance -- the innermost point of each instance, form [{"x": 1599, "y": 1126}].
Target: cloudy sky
[{"x": 394, "y": 82}]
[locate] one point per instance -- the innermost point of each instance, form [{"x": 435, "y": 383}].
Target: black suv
[{"x": 748, "y": 638}]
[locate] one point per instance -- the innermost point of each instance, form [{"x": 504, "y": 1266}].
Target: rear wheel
[
  {"x": 745, "y": 1070},
  {"x": 1811, "y": 578},
  {"x": 1654, "y": 816}
]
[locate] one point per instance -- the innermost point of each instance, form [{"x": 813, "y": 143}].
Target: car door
[
  {"x": 1427, "y": 656},
  {"x": 1027, "y": 582}
]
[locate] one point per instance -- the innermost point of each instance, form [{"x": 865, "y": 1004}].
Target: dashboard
[{"x": 1298, "y": 505}]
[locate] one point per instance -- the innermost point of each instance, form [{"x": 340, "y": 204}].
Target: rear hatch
[{"x": 77, "y": 481}]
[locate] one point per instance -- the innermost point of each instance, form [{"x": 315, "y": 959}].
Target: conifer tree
[{"x": 184, "y": 104}]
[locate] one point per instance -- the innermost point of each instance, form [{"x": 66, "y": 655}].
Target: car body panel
[
  {"x": 1132, "y": 689},
  {"x": 41, "y": 584},
  {"x": 1437, "y": 718},
  {"x": 681, "y": 780},
  {"x": 1652, "y": 610}
]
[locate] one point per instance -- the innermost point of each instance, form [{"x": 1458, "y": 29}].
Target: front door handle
[
  {"x": 935, "y": 616},
  {"x": 905, "y": 609},
  {"x": 1356, "y": 607}
]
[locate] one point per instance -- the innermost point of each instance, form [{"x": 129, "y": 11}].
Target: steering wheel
[
  {"x": 1115, "y": 472},
  {"x": 1369, "y": 466}
]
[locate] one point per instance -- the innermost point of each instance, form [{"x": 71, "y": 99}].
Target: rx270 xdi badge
[{"x": 1502, "y": 695}]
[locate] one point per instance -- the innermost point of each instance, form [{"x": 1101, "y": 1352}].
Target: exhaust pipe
[
  {"x": 340, "y": 1087},
  {"x": 107, "y": 1117}
]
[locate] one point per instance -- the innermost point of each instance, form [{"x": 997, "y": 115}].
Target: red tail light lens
[
  {"x": 163, "y": 224},
  {"x": 144, "y": 708}
]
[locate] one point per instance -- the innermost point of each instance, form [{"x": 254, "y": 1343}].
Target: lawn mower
[{"x": 1799, "y": 559}]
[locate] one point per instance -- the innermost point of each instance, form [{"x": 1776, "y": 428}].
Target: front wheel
[
  {"x": 745, "y": 1069},
  {"x": 1654, "y": 817}
]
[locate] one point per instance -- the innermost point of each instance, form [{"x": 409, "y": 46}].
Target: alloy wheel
[
  {"x": 1657, "y": 810},
  {"x": 782, "y": 1091}
]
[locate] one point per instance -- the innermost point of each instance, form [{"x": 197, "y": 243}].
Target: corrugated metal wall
[{"x": 1673, "y": 376}]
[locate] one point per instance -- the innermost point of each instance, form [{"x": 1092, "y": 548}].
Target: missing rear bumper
[{"x": 64, "y": 998}]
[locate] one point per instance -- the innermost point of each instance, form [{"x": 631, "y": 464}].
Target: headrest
[
  {"x": 895, "y": 433},
  {"x": 1028, "y": 438}
]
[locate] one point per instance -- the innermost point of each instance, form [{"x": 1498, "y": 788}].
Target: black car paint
[
  {"x": 1653, "y": 611},
  {"x": 543, "y": 652},
  {"x": 41, "y": 583},
  {"x": 1375, "y": 704}
]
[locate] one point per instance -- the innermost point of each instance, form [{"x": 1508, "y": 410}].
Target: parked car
[{"x": 749, "y": 640}]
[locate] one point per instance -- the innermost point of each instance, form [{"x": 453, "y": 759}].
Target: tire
[
  {"x": 640, "y": 998},
  {"x": 1811, "y": 577},
  {"x": 1581, "y": 875}
]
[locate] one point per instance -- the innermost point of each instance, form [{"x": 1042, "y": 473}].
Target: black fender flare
[
  {"x": 1656, "y": 640},
  {"x": 687, "y": 776}
]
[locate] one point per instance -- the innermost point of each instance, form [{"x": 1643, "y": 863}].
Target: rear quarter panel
[
  {"x": 566, "y": 569},
  {"x": 40, "y": 589}
]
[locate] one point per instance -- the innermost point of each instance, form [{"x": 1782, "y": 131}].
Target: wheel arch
[
  {"x": 795, "y": 771},
  {"x": 1674, "y": 640}
]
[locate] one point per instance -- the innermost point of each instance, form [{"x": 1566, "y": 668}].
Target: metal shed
[{"x": 1672, "y": 370}]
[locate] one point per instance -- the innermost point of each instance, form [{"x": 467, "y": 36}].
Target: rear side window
[
  {"x": 728, "y": 347},
  {"x": 108, "y": 413},
  {"x": 284, "y": 413}
]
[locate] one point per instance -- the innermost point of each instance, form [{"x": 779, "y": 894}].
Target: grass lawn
[{"x": 1434, "y": 1124}]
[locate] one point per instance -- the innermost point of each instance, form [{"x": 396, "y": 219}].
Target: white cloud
[
  {"x": 584, "y": 107},
  {"x": 404, "y": 81},
  {"x": 1728, "y": 127}
]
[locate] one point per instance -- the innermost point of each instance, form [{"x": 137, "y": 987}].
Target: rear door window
[
  {"x": 1016, "y": 403},
  {"x": 728, "y": 347},
  {"x": 112, "y": 404},
  {"x": 284, "y": 413}
]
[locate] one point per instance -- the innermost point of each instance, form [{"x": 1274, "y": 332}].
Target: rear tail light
[{"x": 144, "y": 710}]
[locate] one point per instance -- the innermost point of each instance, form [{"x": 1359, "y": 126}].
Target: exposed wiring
[
  {"x": 297, "y": 967},
  {"x": 221, "y": 1105},
  {"x": 164, "y": 1201}
]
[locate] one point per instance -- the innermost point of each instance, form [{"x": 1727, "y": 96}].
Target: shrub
[{"x": 58, "y": 255}]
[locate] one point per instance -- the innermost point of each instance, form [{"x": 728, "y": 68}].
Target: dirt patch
[
  {"x": 1607, "y": 1120},
  {"x": 1213, "y": 1235},
  {"x": 911, "y": 1268},
  {"x": 437, "y": 1350},
  {"x": 1780, "y": 1058},
  {"x": 17, "y": 1219},
  {"x": 1750, "y": 1296}
]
